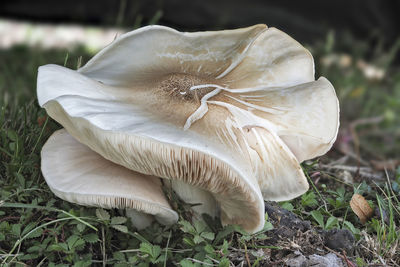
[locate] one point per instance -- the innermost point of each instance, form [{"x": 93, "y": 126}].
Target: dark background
[{"x": 306, "y": 21}]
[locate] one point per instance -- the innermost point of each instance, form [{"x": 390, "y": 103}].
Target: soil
[{"x": 295, "y": 242}]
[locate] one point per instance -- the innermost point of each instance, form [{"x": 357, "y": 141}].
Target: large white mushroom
[{"x": 226, "y": 116}]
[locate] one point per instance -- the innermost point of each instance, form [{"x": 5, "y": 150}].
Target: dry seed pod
[{"x": 361, "y": 207}]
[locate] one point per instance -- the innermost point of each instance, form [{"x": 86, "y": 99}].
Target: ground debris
[
  {"x": 300, "y": 244},
  {"x": 285, "y": 219},
  {"x": 328, "y": 260},
  {"x": 298, "y": 261},
  {"x": 339, "y": 239}
]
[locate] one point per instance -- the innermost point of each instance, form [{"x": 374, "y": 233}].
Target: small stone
[
  {"x": 339, "y": 240},
  {"x": 299, "y": 261},
  {"x": 346, "y": 177},
  {"x": 329, "y": 260}
]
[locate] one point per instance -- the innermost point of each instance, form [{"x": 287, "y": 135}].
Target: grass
[{"x": 38, "y": 229}]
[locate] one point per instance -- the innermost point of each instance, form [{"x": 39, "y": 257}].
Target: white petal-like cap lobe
[{"x": 79, "y": 175}]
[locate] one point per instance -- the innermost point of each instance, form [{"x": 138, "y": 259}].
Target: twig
[
  {"x": 353, "y": 156},
  {"x": 7, "y": 255},
  {"x": 166, "y": 249},
  {"x": 205, "y": 263},
  {"x": 246, "y": 255},
  {"x": 363, "y": 171},
  {"x": 349, "y": 263},
  {"x": 103, "y": 247},
  {"x": 214, "y": 260},
  {"x": 344, "y": 258},
  {"x": 10, "y": 218},
  {"x": 339, "y": 161},
  {"x": 356, "y": 140},
  {"x": 346, "y": 168},
  {"x": 381, "y": 260},
  {"x": 363, "y": 121}
]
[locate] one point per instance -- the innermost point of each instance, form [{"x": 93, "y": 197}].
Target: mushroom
[
  {"x": 79, "y": 175},
  {"x": 226, "y": 116}
]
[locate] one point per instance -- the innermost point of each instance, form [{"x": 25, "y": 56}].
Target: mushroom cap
[
  {"x": 202, "y": 108},
  {"x": 79, "y": 175}
]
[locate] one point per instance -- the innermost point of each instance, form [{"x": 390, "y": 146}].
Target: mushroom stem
[
  {"x": 194, "y": 195},
  {"x": 139, "y": 219}
]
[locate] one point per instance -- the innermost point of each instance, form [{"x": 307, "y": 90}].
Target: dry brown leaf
[{"x": 361, "y": 207}]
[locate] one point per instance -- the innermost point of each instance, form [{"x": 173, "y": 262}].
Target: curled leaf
[{"x": 361, "y": 207}]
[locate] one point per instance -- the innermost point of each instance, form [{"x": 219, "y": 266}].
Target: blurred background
[
  {"x": 355, "y": 45},
  {"x": 304, "y": 20}
]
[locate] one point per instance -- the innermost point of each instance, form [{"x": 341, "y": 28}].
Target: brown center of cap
[{"x": 178, "y": 86}]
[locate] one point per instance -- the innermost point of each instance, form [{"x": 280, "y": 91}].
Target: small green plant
[
  {"x": 385, "y": 230},
  {"x": 116, "y": 222},
  {"x": 309, "y": 199},
  {"x": 331, "y": 222}
]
